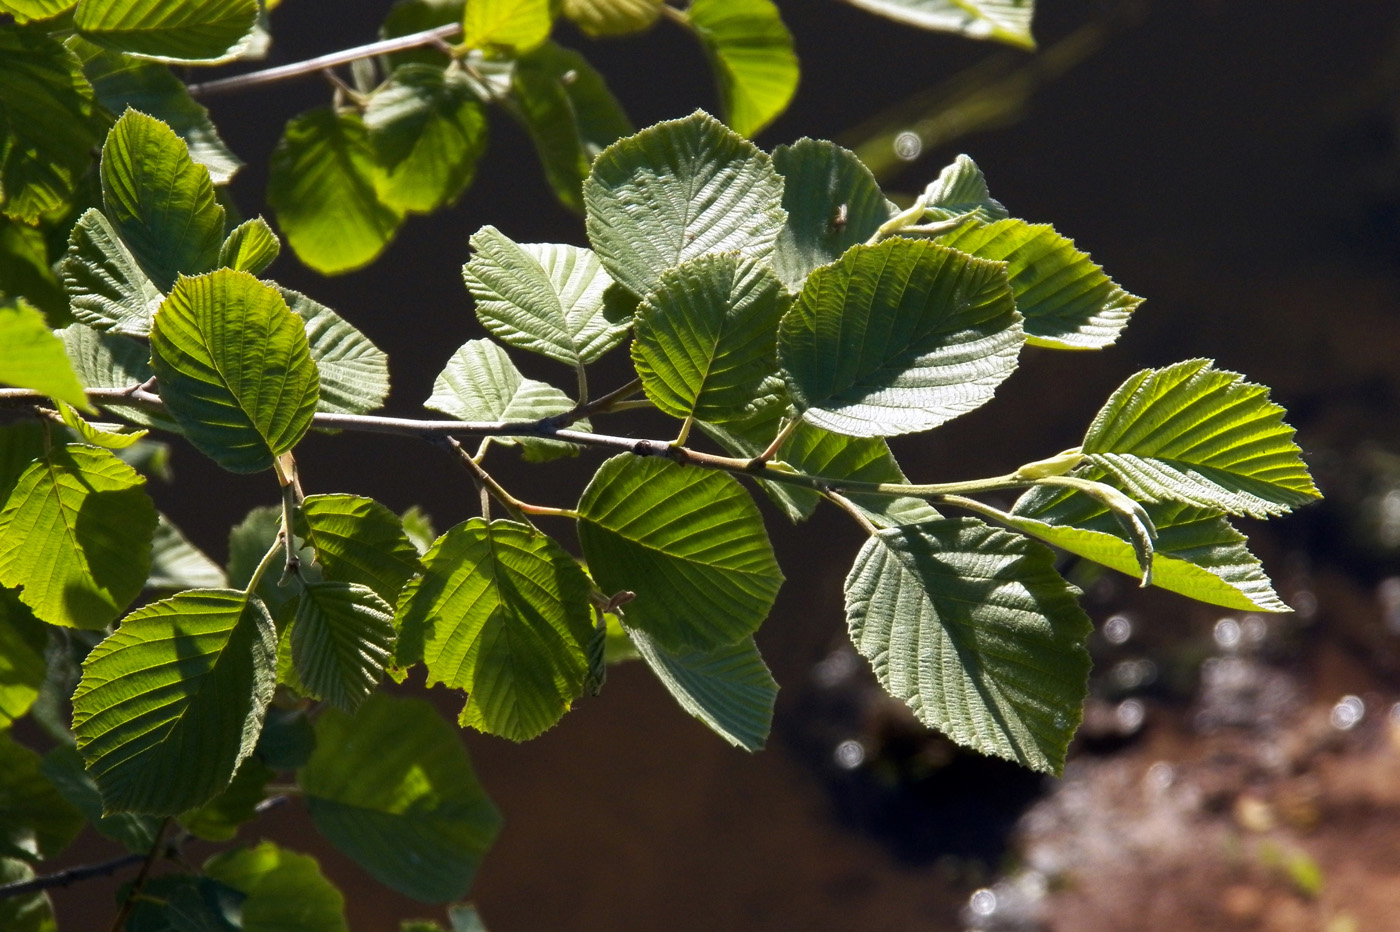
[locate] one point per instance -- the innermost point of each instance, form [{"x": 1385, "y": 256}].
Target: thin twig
[
  {"x": 71, "y": 875},
  {"x": 312, "y": 65}
]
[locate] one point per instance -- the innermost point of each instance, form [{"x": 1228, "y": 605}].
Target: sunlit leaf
[
  {"x": 676, "y": 191},
  {"x": 392, "y": 787},
  {"x": 161, "y": 203},
  {"x": 202, "y": 31},
  {"x": 22, "y": 665},
  {"x": 286, "y": 892},
  {"x": 26, "y": 10},
  {"x": 1200, "y": 435},
  {"x": 546, "y": 298},
  {"x": 974, "y": 629},
  {"x": 170, "y": 705},
  {"x": 427, "y": 130},
  {"x": 358, "y": 540},
  {"x": 1006, "y": 21},
  {"x": 689, "y": 542},
  {"x": 322, "y": 186},
  {"x": 107, "y": 436},
  {"x": 959, "y": 189},
  {"x": 76, "y": 535},
  {"x": 832, "y": 203},
  {"x": 220, "y": 818},
  {"x": 751, "y": 53},
  {"x": 728, "y": 688},
  {"x": 519, "y": 25},
  {"x": 36, "y": 823},
  {"x": 106, "y": 285},
  {"x": 899, "y": 337},
  {"x": 234, "y": 368},
  {"x": 63, "y": 767},
  {"x": 612, "y": 17},
  {"x": 32, "y": 357},
  {"x": 354, "y": 373},
  {"x": 110, "y": 360},
  {"x": 250, "y": 247},
  {"x": 342, "y": 639},
  {"x": 706, "y": 339}
]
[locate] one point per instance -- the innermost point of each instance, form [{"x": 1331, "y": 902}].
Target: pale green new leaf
[
  {"x": 1067, "y": 301},
  {"x": 547, "y": 298},
  {"x": 110, "y": 360},
  {"x": 196, "y": 31},
  {"x": 322, "y": 184},
  {"x": 1196, "y": 551},
  {"x": 706, "y": 344},
  {"x": 354, "y": 373},
  {"x": 1200, "y": 435},
  {"x": 752, "y": 56},
  {"x": 107, "y": 436},
  {"x": 121, "y": 81},
  {"x": 50, "y": 120},
  {"x": 517, "y": 25},
  {"x": 76, "y": 535},
  {"x": 234, "y": 368},
  {"x": 106, "y": 286},
  {"x": 171, "y": 704},
  {"x": 36, "y": 823},
  {"x": 427, "y": 130},
  {"x": 358, "y": 540},
  {"x": 1006, "y": 21},
  {"x": 833, "y": 202},
  {"x": 23, "y": 639},
  {"x": 342, "y": 639},
  {"x": 677, "y": 191},
  {"x": 161, "y": 203},
  {"x": 480, "y": 383},
  {"x": 960, "y": 189},
  {"x": 899, "y": 337},
  {"x": 284, "y": 891},
  {"x": 250, "y": 247},
  {"x": 612, "y": 17},
  {"x": 501, "y": 611},
  {"x": 178, "y": 564},
  {"x": 689, "y": 542},
  {"x": 31, "y": 913},
  {"x": 974, "y": 629},
  {"x": 63, "y": 767},
  {"x": 728, "y": 688},
  {"x": 392, "y": 787},
  {"x": 32, "y": 357}
]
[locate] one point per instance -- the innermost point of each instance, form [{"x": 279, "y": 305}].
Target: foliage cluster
[{"x": 780, "y": 308}]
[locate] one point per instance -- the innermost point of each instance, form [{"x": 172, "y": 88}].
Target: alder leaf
[
  {"x": 195, "y": 31},
  {"x": 23, "y": 641},
  {"x": 32, "y": 357},
  {"x": 518, "y": 25},
  {"x": 342, "y": 639},
  {"x": 353, "y": 372},
  {"x": 36, "y": 822},
  {"x": 111, "y": 360},
  {"x": 250, "y": 247},
  {"x": 63, "y": 767},
  {"x": 1006, "y": 21},
  {"x": 358, "y": 540},
  {"x": 752, "y": 56},
  {"x": 612, "y": 17},
  {"x": 728, "y": 688},
  {"x": 283, "y": 890},
  {"x": 106, "y": 286},
  {"x": 973, "y": 628},
  {"x": 960, "y": 189},
  {"x": 178, "y": 564}
]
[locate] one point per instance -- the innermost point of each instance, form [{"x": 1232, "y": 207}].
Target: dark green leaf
[
  {"x": 25, "y": 271},
  {"x": 20, "y": 445},
  {"x": 23, "y": 639},
  {"x": 358, "y": 540},
  {"x": 203, "y": 31},
  {"x": 63, "y": 767},
  {"x": 407, "y": 17},
  {"x": 354, "y": 373},
  {"x": 251, "y": 247},
  {"x": 342, "y": 639},
  {"x": 186, "y": 903},
  {"x": 751, "y": 53},
  {"x": 32, "y": 913},
  {"x": 286, "y": 892},
  {"x": 36, "y": 823},
  {"x": 106, "y": 285},
  {"x": 287, "y": 738},
  {"x": 32, "y": 357},
  {"x": 219, "y": 819},
  {"x": 178, "y": 564},
  {"x": 728, "y": 688}
]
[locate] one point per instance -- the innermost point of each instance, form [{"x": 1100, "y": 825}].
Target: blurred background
[{"x": 1238, "y": 165}]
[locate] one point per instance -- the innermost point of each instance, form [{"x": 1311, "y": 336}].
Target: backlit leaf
[
  {"x": 26, "y": 10},
  {"x": 751, "y": 53},
  {"x": 358, "y": 540},
  {"x": 204, "y": 31},
  {"x": 1006, "y": 21},
  {"x": 974, "y": 629},
  {"x": 612, "y": 17},
  {"x": 285, "y": 891},
  {"x": 728, "y": 688},
  {"x": 32, "y": 357},
  {"x": 250, "y": 247},
  {"x": 107, "y": 436},
  {"x": 961, "y": 188},
  {"x": 342, "y": 639},
  {"x": 220, "y": 818},
  {"x": 519, "y": 25}
]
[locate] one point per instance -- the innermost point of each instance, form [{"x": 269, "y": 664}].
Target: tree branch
[{"x": 70, "y": 876}]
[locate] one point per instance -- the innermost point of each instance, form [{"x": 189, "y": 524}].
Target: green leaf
[
  {"x": 107, "y": 436},
  {"x": 32, "y": 357},
  {"x": 159, "y": 201},
  {"x": 1067, "y": 301},
  {"x": 286, "y": 892},
  {"x": 234, "y": 368},
  {"x": 220, "y": 818},
  {"x": 49, "y": 121},
  {"x": 76, "y": 535},
  {"x": 1006, "y": 21},
  {"x": 480, "y": 383},
  {"x": 36, "y": 823},
  {"x": 197, "y": 31},
  {"x": 898, "y": 338},
  {"x": 170, "y": 705},
  {"x": 1196, "y": 552},
  {"x": 63, "y": 767},
  {"x": 26, "y": 10},
  {"x": 689, "y": 542},
  {"x": 1200, "y": 435},
  {"x": 322, "y": 182},
  {"x": 549, "y": 299},
  {"x": 20, "y": 445},
  {"x": 974, "y": 629},
  {"x": 106, "y": 285},
  {"x": 706, "y": 344},
  {"x": 287, "y": 738},
  {"x": 959, "y": 189},
  {"x": 677, "y": 191},
  {"x": 23, "y": 639},
  {"x": 178, "y": 564},
  {"x": 427, "y": 130},
  {"x": 833, "y": 202},
  {"x": 392, "y": 787},
  {"x": 407, "y": 17},
  {"x": 251, "y": 247},
  {"x": 518, "y": 25},
  {"x": 32, "y": 913},
  {"x": 120, "y": 81},
  {"x": 354, "y": 373},
  {"x": 358, "y": 540},
  {"x": 751, "y": 53},
  {"x": 341, "y": 641},
  {"x": 597, "y": 119},
  {"x": 110, "y": 360},
  {"x": 186, "y": 903},
  {"x": 248, "y": 542},
  {"x": 502, "y": 611},
  {"x": 25, "y": 270},
  {"x": 418, "y": 526},
  {"x": 612, "y": 17},
  {"x": 728, "y": 688}
]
